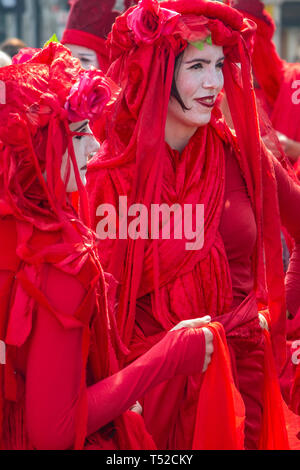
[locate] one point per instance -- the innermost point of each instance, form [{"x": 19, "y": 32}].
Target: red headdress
[
  {"x": 40, "y": 97},
  {"x": 143, "y": 44},
  {"x": 267, "y": 65},
  {"x": 88, "y": 25}
]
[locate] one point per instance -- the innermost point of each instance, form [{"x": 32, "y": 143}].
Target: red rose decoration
[
  {"x": 148, "y": 21},
  {"x": 89, "y": 96}
]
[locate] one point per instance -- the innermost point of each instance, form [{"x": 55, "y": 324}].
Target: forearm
[
  {"x": 171, "y": 356},
  {"x": 53, "y": 380}
]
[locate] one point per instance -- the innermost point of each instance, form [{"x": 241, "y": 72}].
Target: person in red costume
[
  {"x": 277, "y": 93},
  {"x": 276, "y": 79},
  {"x": 169, "y": 144},
  {"x": 60, "y": 382},
  {"x": 88, "y": 25}
]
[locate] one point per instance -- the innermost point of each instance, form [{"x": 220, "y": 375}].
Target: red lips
[{"x": 207, "y": 101}]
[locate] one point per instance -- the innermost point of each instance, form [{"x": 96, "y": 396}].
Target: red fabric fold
[{"x": 221, "y": 411}]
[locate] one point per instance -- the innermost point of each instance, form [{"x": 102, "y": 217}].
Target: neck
[{"x": 177, "y": 135}]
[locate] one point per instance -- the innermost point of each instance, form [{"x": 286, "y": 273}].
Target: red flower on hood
[
  {"x": 148, "y": 21},
  {"x": 90, "y": 94}
]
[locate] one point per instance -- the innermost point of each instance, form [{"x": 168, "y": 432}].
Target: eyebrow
[
  {"x": 81, "y": 127},
  {"x": 83, "y": 54},
  {"x": 203, "y": 60}
]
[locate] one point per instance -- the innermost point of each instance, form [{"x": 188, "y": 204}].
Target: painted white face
[
  {"x": 87, "y": 57},
  {"x": 84, "y": 147},
  {"x": 199, "y": 80}
]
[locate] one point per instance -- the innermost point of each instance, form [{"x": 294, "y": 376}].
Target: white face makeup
[
  {"x": 199, "y": 80},
  {"x": 84, "y": 147},
  {"x": 87, "y": 57}
]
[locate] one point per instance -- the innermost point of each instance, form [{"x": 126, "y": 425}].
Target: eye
[
  {"x": 196, "y": 66},
  {"x": 79, "y": 137},
  {"x": 220, "y": 65}
]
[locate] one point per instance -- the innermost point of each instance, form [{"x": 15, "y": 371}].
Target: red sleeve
[
  {"x": 289, "y": 206},
  {"x": 54, "y": 369}
]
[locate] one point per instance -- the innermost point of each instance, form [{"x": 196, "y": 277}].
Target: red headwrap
[
  {"x": 88, "y": 25},
  {"x": 143, "y": 45},
  {"x": 42, "y": 96}
]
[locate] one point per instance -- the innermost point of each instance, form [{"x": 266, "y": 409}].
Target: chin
[{"x": 203, "y": 121}]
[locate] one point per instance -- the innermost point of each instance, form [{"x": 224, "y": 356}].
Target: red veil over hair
[
  {"x": 143, "y": 58},
  {"x": 39, "y": 224}
]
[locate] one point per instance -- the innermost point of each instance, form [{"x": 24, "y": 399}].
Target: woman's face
[
  {"x": 84, "y": 147},
  {"x": 199, "y": 80},
  {"x": 87, "y": 57}
]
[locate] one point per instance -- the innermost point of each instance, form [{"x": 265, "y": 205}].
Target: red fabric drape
[{"x": 221, "y": 427}]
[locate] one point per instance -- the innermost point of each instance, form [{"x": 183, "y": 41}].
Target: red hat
[{"x": 88, "y": 25}]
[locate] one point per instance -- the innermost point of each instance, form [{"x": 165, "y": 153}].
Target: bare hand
[
  {"x": 137, "y": 408},
  {"x": 193, "y": 323},
  {"x": 209, "y": 347},
  {"x": 290, "y": 147},
  {"x": 263, "y": 322},
  {"x": 198, "y": 323}
]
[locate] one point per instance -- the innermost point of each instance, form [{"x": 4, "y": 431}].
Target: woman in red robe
[
  {"x": 60, "y": 387},
  {"x": 168, "y": 144}
]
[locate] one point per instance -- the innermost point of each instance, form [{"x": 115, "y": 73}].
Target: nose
[
  {"x": 212, "y": 79},
  {"x": 92, "y": 145}
]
